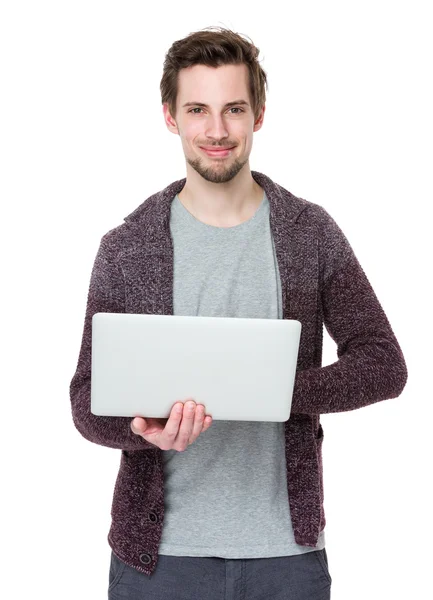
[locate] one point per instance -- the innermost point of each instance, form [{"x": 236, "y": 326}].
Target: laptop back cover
[{"x": 238, "y": 368}]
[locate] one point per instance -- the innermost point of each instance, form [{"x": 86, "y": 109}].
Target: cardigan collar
[{"x": 155, "y": 210}]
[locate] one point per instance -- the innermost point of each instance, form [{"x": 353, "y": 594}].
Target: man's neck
[{"x": 222, "y": 206}]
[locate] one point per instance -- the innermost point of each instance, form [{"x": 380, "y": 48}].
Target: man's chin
[{"x": 216, "y": 173}]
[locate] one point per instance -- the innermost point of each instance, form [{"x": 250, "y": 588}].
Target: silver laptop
[{"x": 240, "y": 369}]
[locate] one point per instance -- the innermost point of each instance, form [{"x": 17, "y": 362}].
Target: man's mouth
[{"x": 214, "y": 151}]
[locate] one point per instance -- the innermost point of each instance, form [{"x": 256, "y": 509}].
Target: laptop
[{"x": 240, "y": 369}]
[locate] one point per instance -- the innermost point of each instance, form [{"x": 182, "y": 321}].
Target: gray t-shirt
[{"x": 226, "y": 494}]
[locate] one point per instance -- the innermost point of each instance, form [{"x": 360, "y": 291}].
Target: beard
[{"x": 218, "y": 173}]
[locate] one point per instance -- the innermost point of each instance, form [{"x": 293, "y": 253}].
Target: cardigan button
[
  {"x": 153, "y": 517},
  {"x": 146, "y": 559}
]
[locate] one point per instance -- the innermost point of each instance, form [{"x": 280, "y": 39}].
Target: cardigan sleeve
[
  {"x": 106, "y": 294},
  {"x": 370, "y": 366}
]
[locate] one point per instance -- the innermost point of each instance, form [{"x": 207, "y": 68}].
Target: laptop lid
[{"x": 238, "y": 368}]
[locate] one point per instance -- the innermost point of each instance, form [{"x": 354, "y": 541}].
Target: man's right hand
[{"x": 177, "y": 432}]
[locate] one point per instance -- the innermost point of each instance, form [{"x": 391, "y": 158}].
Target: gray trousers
[{"x": 298, "y": 577}]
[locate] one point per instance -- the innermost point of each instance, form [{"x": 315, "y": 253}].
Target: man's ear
[
  {"x": 259, "y": 121},
  {"x": 169, "y": 119}
]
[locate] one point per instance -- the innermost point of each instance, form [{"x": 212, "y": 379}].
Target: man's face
[{"x": 215, "y": 125}]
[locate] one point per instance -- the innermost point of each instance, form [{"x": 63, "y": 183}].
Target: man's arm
[
  {"x": 106, "y": 294},
  {"x": 371, "y": 366}
]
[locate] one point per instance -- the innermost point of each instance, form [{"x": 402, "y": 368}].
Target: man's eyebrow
[{"x": 241, "y": 102}]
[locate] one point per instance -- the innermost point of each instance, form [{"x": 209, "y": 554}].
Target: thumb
[{"x": 139, "y": 425}]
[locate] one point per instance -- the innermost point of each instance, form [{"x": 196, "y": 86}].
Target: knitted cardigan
[{"x": 322, "y": 284}]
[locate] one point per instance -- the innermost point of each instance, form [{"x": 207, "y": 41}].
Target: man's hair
[{"x": 214, "y": 49}]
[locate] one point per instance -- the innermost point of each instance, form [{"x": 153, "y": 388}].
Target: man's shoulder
[
  {"x": 305, "y": 212},
  {"x": 141, "y": 228}
]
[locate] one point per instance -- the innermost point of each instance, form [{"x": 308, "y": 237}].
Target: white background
[{"x": 348, "y": 125}]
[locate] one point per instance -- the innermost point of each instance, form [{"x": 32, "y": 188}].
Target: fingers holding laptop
[{"x": 186, "y": 422}]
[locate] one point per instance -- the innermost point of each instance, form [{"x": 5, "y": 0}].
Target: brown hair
[{"x": 204, "y": 47}]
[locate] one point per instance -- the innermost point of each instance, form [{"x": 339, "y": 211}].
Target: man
[{"x": 230, "y": 509}]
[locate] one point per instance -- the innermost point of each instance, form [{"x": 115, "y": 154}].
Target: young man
[{"x": 232, "y": 509}]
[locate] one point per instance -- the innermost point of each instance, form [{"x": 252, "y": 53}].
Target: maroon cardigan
[{"x": 322, "y": 283}]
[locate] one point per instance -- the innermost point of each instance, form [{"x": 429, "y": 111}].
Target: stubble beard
[{"x": 218, "y": 173}]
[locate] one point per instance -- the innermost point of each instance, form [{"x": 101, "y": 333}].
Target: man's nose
[{"x": 216, "y": 128}]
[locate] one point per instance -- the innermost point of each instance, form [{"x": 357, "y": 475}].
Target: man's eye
[{"x": 232, "y": 108}]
